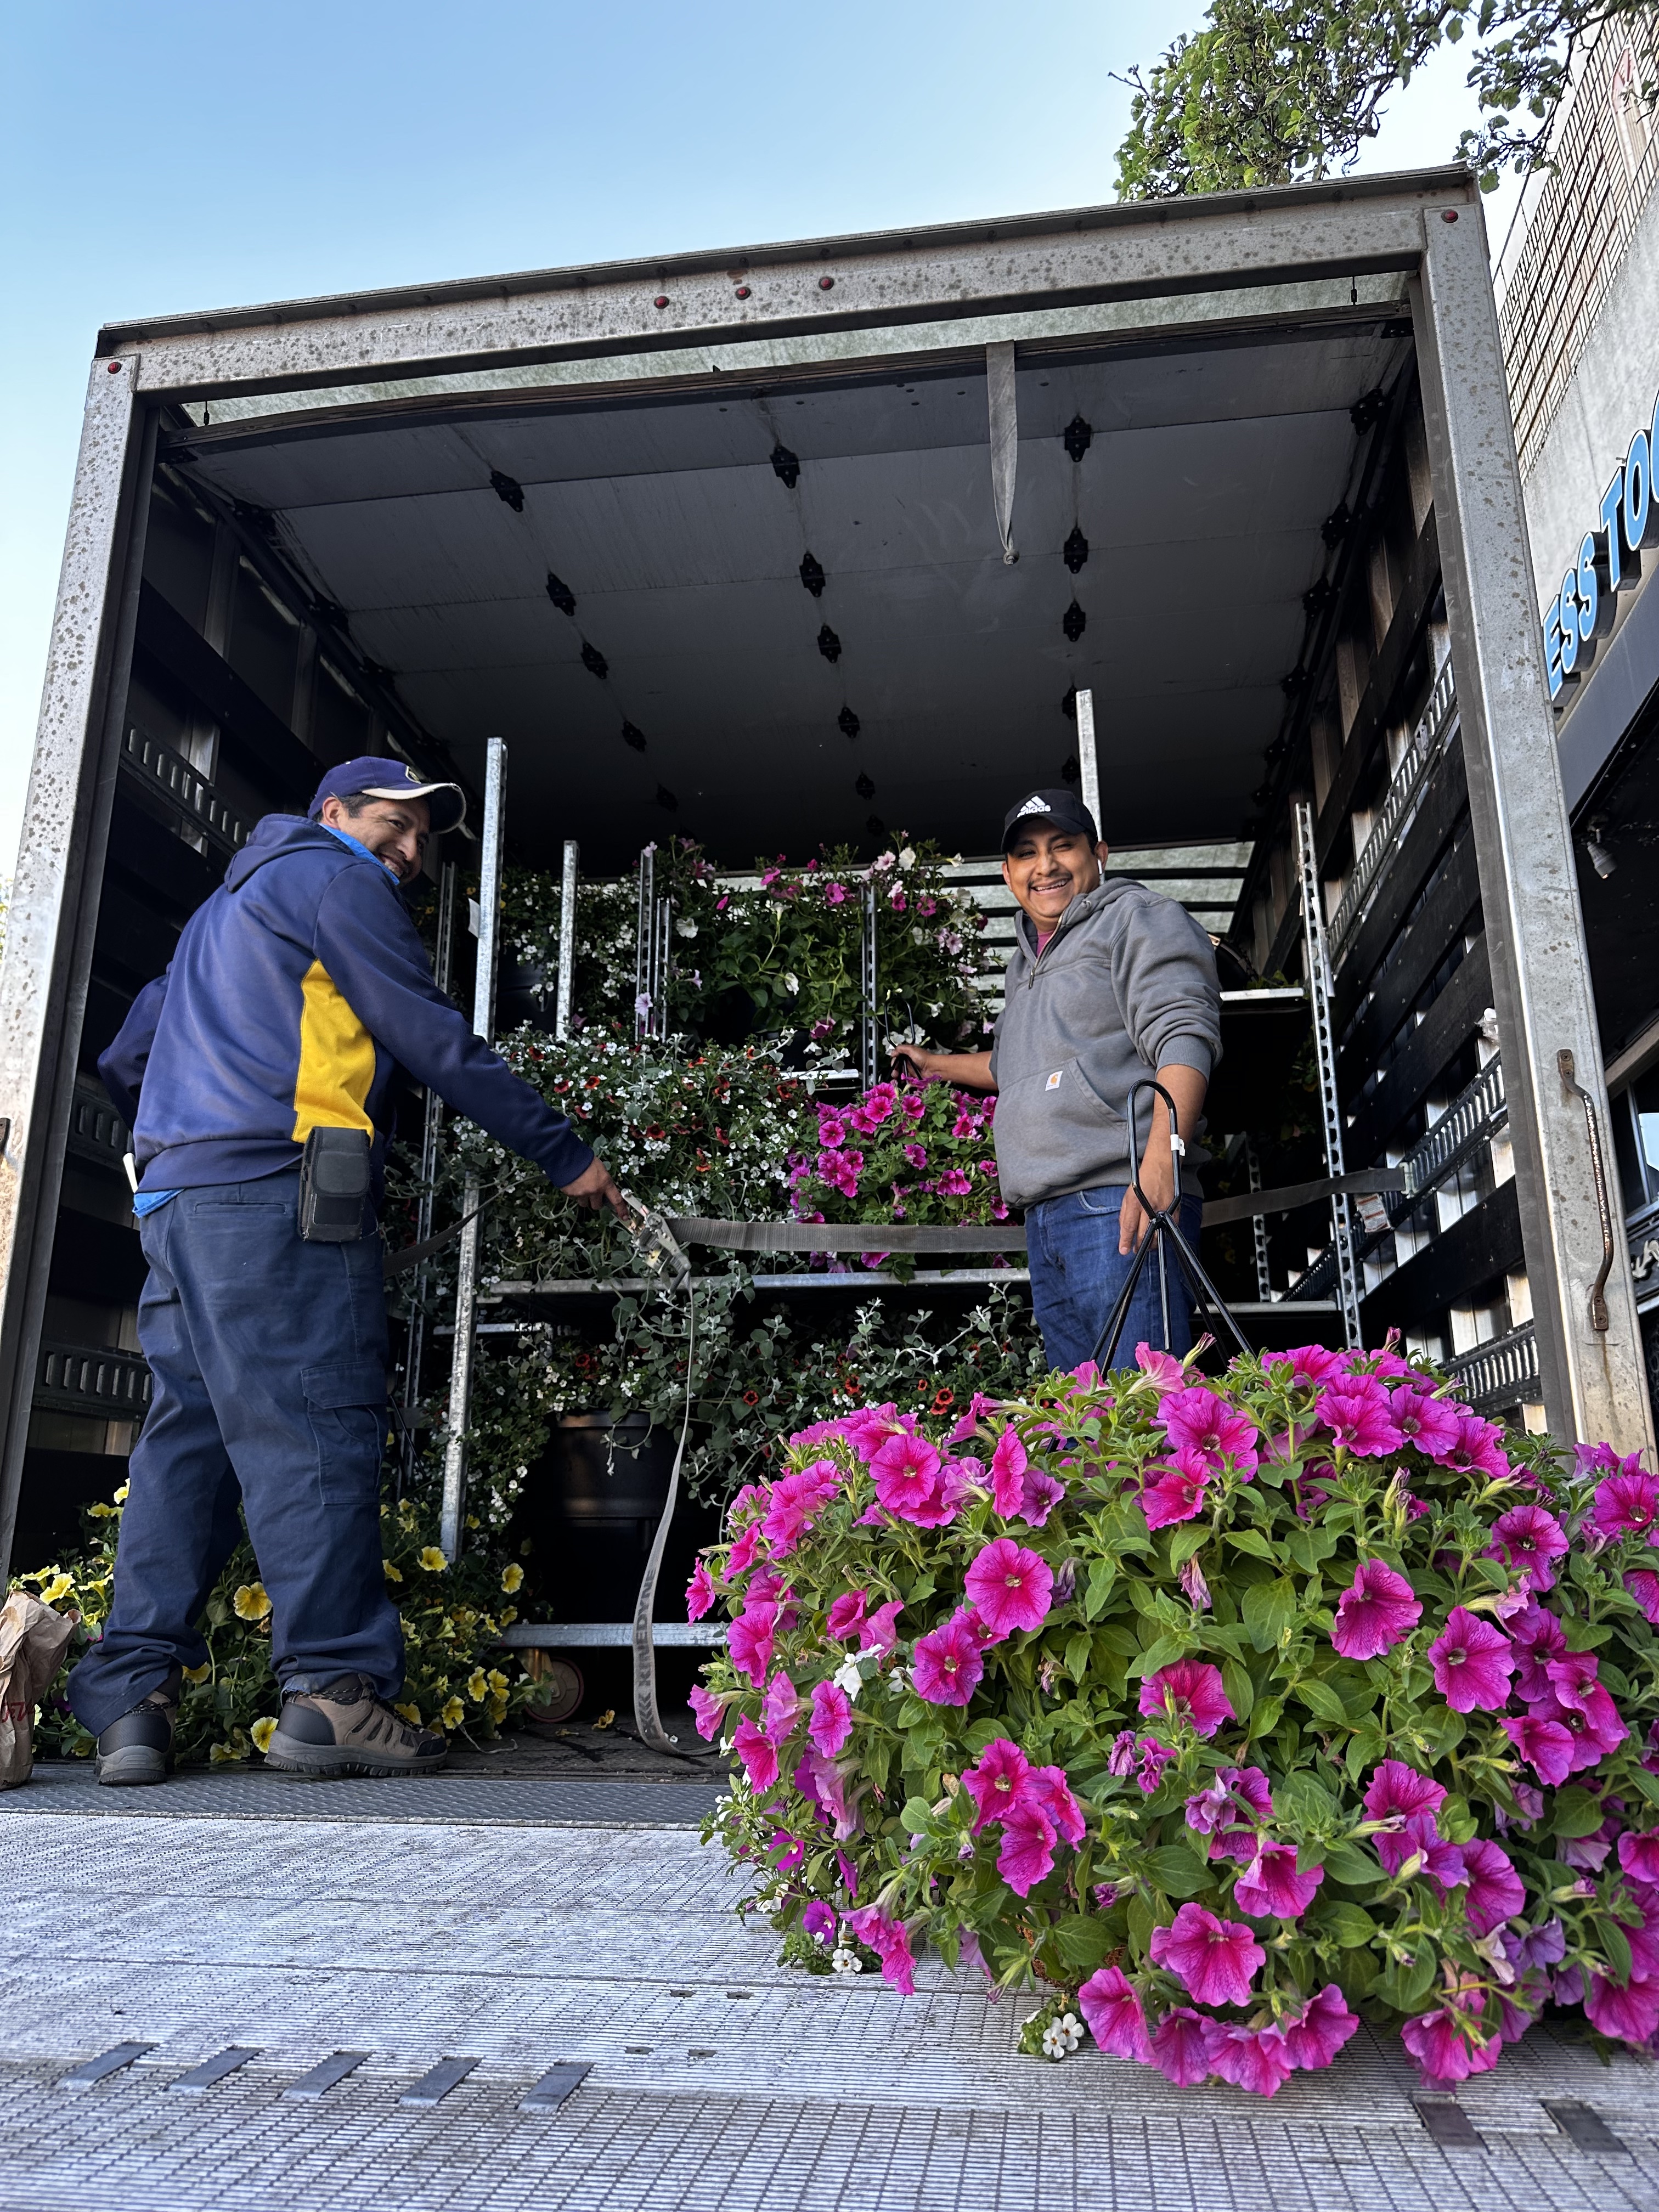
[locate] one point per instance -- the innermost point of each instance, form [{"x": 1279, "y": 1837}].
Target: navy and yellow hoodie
[{"x": 294, "y": 993}]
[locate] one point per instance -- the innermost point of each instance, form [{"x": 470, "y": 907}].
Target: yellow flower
[
  {"x": 432, "y": 1560},
  {"x": 262, "y": 1732},
  {"x": 251, "y": 1602},
  {"x": 121, "y": 1494},
  {"x": 60, "y": 1586},
  {"x": 476, "y": 1685},
  {"x": 498, "y": 1682},
  {"x": 392, "y": 1573},
  {"x": 509, "y": 1614},
  {"x": 452, "y": 1714},
  {"x": 226, "y": 1754},
  {"x": 512, "y": 1577},
  {"x": 200, "y": 1675},
  {"x": 102, "y": 1512},
  {"x": 498, "y": 1710},
  {"x": 410, "y": 1713},
  {"x": 606, "y": 1718}
]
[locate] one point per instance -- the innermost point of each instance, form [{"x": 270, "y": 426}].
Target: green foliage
[{"x": 1270, "y": 92}]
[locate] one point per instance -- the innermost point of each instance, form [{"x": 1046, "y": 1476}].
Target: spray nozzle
[{"x": 654, "y": 1245}]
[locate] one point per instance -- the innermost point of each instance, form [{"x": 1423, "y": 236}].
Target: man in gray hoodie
[{"x": 1109, "y": 985}]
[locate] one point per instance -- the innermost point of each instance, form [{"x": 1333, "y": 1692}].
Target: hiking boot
[
  {"x": 137, "y": 1748},
  {"x": 347, "y": 1728}
]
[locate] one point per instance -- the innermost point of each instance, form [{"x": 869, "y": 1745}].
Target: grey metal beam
[
  {"x": 823, "y": 285},
  {"x": 1592, "y": 1379},
  {"x": 54, "y": 902}
]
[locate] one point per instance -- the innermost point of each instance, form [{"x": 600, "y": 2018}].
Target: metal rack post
[
  {"x": 466, "y": 1275},
  {"x": 869, "y": 1042},
  {"x": 1264, "y": 1280},
  {"x": 644, "y": 946},
  {"x": 442, "y": 967},
  {"x": 1319, "y": 999},
  {"x": 1088, "y": 764},
  {"x": 567, "y": 984}
]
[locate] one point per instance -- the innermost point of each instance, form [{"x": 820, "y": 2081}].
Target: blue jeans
[
  {"x": 1077, "y": 1272},
  {"x": 268, "y": 1356}
]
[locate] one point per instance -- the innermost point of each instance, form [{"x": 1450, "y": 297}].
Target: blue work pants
[
  {"x": 1077, "y": 1272},
  {"x": 268, "y": 1356}
]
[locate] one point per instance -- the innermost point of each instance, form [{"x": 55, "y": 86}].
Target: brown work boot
[{"x": 345, "y": 1729}]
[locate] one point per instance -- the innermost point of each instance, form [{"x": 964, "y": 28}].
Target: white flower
[
  {"x": 907, "y": 857},
  {"x": 791, "y": 982},
  {"x": 845, "y": 1961},
  {"x": 848, "y": 1678},
  {"x": 1061, "y": 2037},
  {"x": 686, "y": 928}
]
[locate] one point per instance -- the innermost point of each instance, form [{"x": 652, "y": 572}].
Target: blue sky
[{"x": 179, "y": 156}]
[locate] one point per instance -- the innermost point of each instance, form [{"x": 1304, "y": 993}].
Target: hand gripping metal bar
[{"x": 1163, "y": 1225}]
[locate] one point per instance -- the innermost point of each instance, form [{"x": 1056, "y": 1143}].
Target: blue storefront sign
[{"x": 1609, "y": 561}]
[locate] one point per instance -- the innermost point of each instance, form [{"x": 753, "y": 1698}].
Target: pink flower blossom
[
  {"x": 741, "y": 1557},
  {"x": 1319, "y": 2031},
  {"x": 846, "y": 1615},
  {"x": 1629, "y": 2010},
  {"x": 1181, "y": 2046},
  {"x": 1152, "y": 1756},
  {"x": 1312, "y": 1364},
  {"x": 1428, "y": 1423},
  {"x": 1010, "y": 1587},
  {"x": 913, "y": 1104},
  {"x": 1008, "y": 1466},
  {"x": 700, "y": 1593},
  {"x": 796, "y": 1502},
  {"x": 1195, "y": 1587},
  {"x": 1190, "y": 1690},
  {"x": 1040, "y": 1493},
  {"x": 997, "y": 1783},
  {"x": 759, "y": 1757},
  {"x": 1249, "y": 2057},
  {"x": 1593, "y": 1724},
  {"x": 780, "y": 1707},
  {"x": 1443, "y": 2049},
  {"x": 819, "y": 1920},
  {"x": 1198, "y": 1421},
  {"x": 878, "y": 1101},
  {"x": 1231, "y": 1811},
  {"x": 1048, "y": 1788},
  {"x": 1625, "y": 1505},
  {"x": 916, "y": 1154},
  {"x": 948, "y": 1664},
  {"x": 1473, "y": 1663},
  {"x": 890, "y": 1940},
  {"x": 832, "y": 1718},
  {"x": 1359, "y": 1415},
  {"x": 880, "y": 1633},
  {"x": 1378, "y": 1609},
  {"x": 1215, "y": 1961},
  {"x": 1165, "y": 1369},
  {"x": 1496, "y": 1892},
  {"x": 1639, "y": 1855},
  {"x": 1027, "y": 1855},
  {"x": 906, "y": 1471},
  {"x": 1112, "y": 2011},
  {"x": 834, "y": 894},
  {"x": 1270, "y": 1885},
  {"x": 1535, "y": 1637},
  {"x": 1176, "y": 1492},
  {"x": 832, "y": 1132},
  {"x": 706, "y": 1709},
  {"x": 749, "y": 1640},
  {"x": 869, "y": 1429},
  {"x": 1479, "y": 1448},
  {"x": 1526, "y": 1539},
  {"x": 1546, "y": 1746},
  {"x": 1643, "y": 1584},
  {"x": 953, "y": 1183}
]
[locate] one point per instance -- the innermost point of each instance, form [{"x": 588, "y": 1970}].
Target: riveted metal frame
[{"x": 1230, "y": 243}]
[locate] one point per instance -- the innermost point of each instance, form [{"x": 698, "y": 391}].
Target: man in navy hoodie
[{"x": 295, "y": 993}]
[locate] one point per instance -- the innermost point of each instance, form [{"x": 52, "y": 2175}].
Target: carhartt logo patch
[{"x": 1053, "y": 1083}]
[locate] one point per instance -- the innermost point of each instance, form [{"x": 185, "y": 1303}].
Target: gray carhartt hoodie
[{"x": 1125, "y": 984}]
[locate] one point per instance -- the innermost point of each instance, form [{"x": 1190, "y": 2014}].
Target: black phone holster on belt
[{"x": 334, "y": 1186}]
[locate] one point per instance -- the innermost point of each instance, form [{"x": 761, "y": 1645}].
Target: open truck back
[{"x": 788, "y": 544}]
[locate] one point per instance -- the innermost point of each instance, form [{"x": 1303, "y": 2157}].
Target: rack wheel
[{"x": 560, "y": 1688}]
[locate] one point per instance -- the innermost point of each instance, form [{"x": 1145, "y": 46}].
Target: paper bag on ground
[{"x": 32, "y": 1640}]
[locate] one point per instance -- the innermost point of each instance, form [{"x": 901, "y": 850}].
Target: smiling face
[
  {"x": 1046, "y": 867},
  {"x": 394, "y": 830}
]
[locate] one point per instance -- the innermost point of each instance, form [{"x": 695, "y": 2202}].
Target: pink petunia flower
[
  {"x": 1215, "y": 1961},
  {"x": 1319, "y": 2031},
  {"x": 1374, "y": 1612},
  {"x": 1166, "y": 1370},
  {"x": 1643, "y": 1584},
  {"x": 1181, "y": 2046},
  {"x": 796, "y": 1502},
  {"x": 1639, "y": 1855},
  {"x": 1270, "y": 1888},
  {"x": 1050, "y": 1788},
  {"x": 1314, "y": 1364},
  {"x": 1010, "y": 1587},
  {"x": 1027, "y": 1855},
  {"x": 1396, "y": 1791},
  {"x": 1577, "y": 1693},
  {"x": 997, "y": 1783},
  {"x": 1231, "y": 1811},
  {"x": 1176, "y": 1493},
  {"x": 700, "y": 1593},
  {"x": 749, "y": 1640},
  {"x": 869, "y": 1429},
  {"x": 1473, "y": 1663},
  {"x": 947, "y": 1666},
  {"x": 1496, "y": 1892},
  {"x": 1444, "y": 2050},
  {"x": 1629, "y": 2010},
  {"x": 1627, "y": 1505},
  {"x": 1546, "y": 1746},
  {"x": 1428, "y": 1423},
  {"x": 780, "y": 1707},
  {"x": 1190, "y": 1690},
  {"x": 906, "y": 1471},
  {"x": 1129, "y": 1750},
  {"x": 1008, "y": 1465},
  {"x": 890, "y": 1940},
  {"x": 1527, "y": 1539},
  {"x": 1535, "y": 1637},
  {"x": 741, "y": 1557},
  {"x": 1360, "y": 1417},
  {"x": 832, "y": 1718},
  {"x": 846, "y": 1615},
  {"x": 1479, "y": 1448},
  {"x": 706, "y": 1709},
  {"x": 1198, "y": 1421},
  {"x": 880, "y": 1633},
  {"x": 1040, "y": 1493},
  {"x": 1112, "y": 2011},
  {"x": 759, "y": 1757},
  {"x": 1249, "y": 2057}
]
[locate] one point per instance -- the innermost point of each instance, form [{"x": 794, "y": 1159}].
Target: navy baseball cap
[
  {"x": 368, "y": 778},
  {"x": 1064, "y": 807}
]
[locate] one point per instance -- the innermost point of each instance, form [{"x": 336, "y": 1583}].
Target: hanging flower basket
[{"x": 1226, "y": 1713}]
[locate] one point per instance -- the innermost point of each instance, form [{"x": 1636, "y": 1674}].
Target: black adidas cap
[{"x": 1062, "y": 807}]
